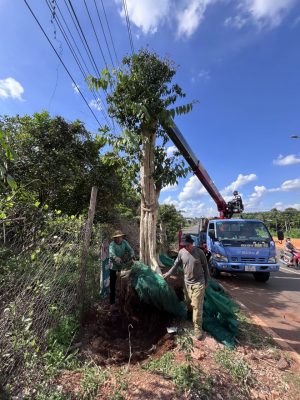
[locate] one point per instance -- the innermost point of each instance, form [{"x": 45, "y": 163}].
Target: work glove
[{"x": 118, "y": 260}]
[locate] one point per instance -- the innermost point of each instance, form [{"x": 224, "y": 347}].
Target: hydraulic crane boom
[{"x": 198, "y": 169}]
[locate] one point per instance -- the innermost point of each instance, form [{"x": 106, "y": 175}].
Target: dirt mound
[{"x": 109, "y": 337}]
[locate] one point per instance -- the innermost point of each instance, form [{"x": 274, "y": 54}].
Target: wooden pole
[{"x": 85, "y": 248}]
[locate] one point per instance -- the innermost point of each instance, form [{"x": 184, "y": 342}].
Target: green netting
[
  {"x": 154, "y": 290},
  {"x": 165, "y": 260},
  {"x": 219, "y": 311},
  {"x": 219, "y": 314}
]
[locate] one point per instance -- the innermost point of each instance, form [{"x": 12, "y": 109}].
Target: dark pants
[{"x": 112, "y": 286}]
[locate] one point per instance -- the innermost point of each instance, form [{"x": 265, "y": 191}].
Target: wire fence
[{"x": 41, "y": 285}]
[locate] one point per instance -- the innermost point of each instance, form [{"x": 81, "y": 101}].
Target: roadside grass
[
  {"x": 185, "y": 376},
  {"x": 121, "y": 385},
  {"x": 93, "y": 378},
  {"x": 252, "y": 336},
  {"x": 239, "y": 370}
]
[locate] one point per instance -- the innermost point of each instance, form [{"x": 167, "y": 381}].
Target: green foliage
[
  {"x": 6, "y": 155},
  {"x": 121, "y": 386},
  {"x": 172, "y": 219},
  {"x": 234, "y": 363},
  {"x": 140, "y": 97},
  {"x": 56, "y": 163},
  {"x": 289, "y": 220},
  {"x": 164, "y": 364},
  {"x": 185, "y": 343},
  {"x": 63, "y": 332},
  {"x": 93, "y": 378},
  {"x": 185, "y": 376}
]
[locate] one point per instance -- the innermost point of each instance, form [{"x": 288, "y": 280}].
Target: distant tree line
[{"x": 288, "y": 220}]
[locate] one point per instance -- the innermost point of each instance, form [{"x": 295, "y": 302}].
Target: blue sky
[{"x": 239, "y": 58}]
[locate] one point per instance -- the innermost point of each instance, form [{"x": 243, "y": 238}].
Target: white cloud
[
  {"x": 269, "y": 12},
  {"x": 75, "y": 88},
  {"x": 255, "y": 198},
  {"x": 171, "y": 150},
  {"x": 286, "y": 186},
  {"x": 148, "y": 14},
  {"x": 237, "y": 21},
  {"x": 187, "y": 15},
  {"x": 192, "y": 189},
  {"x": 191, "y": 16},
  {"x": 170, "y": 188},
  {"x": 296, "y": 22},
  {"x": 96, "y": 104},
  {"x": 202, "y": 76},
  {"x": 264, "y": 13},
  {"x": 10, "y": 88},
  {"x": 281, "y": 207},
  {"x": 192, "y": 208},
  {"x": 240, "y": 181},
  {"x": 287, "y": 160}
]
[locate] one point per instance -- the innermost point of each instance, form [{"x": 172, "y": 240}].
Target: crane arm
[{"x": 178, "y": 139}]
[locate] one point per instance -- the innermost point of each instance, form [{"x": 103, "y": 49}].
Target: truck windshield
[{"x": 244, "y": 231}]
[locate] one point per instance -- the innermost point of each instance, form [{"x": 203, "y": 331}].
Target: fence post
[{"x": 85, "y": 247}]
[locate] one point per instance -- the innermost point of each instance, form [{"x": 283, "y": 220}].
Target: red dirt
[
  {"x": 106, "y": 336},
  {"x": 296, "y": 243}
]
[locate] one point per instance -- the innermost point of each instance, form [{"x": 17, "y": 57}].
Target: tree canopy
[
  {"x": 141, "y": 98},
  {"x": 58, "y": 162}
]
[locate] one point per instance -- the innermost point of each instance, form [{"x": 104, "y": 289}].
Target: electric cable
[
  {"x": 108, "y": 29},
  {"x": 66, "y": 69},
  {"x": 128, "y": 26},
  {"x": 97, "y": 39},
  {"x": 97, "y": 96},
  {"x": 84, "y": 38},
  {"x": 103, "y": 31}
]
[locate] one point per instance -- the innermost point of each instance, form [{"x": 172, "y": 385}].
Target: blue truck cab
[{"x": 240, "y": 246}]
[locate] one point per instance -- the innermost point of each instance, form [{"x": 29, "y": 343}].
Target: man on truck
[{"x": 196, "y": 276}]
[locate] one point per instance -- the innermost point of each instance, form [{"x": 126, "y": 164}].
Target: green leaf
[{"x": 11, "y": 182}]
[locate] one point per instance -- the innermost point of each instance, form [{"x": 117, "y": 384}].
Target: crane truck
[{"x": 232, "y": 245}]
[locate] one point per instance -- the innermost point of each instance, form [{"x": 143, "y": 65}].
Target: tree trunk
[
  {"x": 163, "y": 238},
  {"x": 149, "y": 204}
]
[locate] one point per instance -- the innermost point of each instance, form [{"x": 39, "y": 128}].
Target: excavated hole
[{"x": 106, "y": 337}]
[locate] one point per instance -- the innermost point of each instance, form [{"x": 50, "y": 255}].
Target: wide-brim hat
[
  {"x": 186, "y": 239},
  {"x": 118, "y": 234}
]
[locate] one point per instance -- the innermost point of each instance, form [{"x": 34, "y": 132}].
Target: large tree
[
  {"x": 58, "y": 162},
  {"x": 141, "y": 97}
]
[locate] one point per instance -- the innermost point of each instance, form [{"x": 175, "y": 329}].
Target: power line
[
  {"x": 87, "y": 45},
  {"x": 95, "y": 33},
  {"x": 109, "y": 30},
  {"x": 66, "y": 69},
  {"x": 84, "y": 38},
  {"x": 128, "y": 26},
  {"x": 55, "y": 16},
  {"x": 97, "y": 98},
  {"x": 72, "y": 37},
  {"x": 105, "y": 34}
]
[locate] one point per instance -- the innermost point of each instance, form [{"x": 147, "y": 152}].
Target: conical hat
[{"x": 118, "y": 234}]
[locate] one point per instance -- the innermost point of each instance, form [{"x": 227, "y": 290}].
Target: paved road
[{"x": 276, "y": 302}]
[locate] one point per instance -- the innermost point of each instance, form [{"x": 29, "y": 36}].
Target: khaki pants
[{"x": 194, "y": 297}]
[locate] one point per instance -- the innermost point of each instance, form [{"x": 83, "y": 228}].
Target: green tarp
[{"x": 219, "y": 311}]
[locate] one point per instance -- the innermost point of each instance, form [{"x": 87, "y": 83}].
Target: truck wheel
[
  {"x": 261, "y": 276},
  {"x": 215, "y": 273}
]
